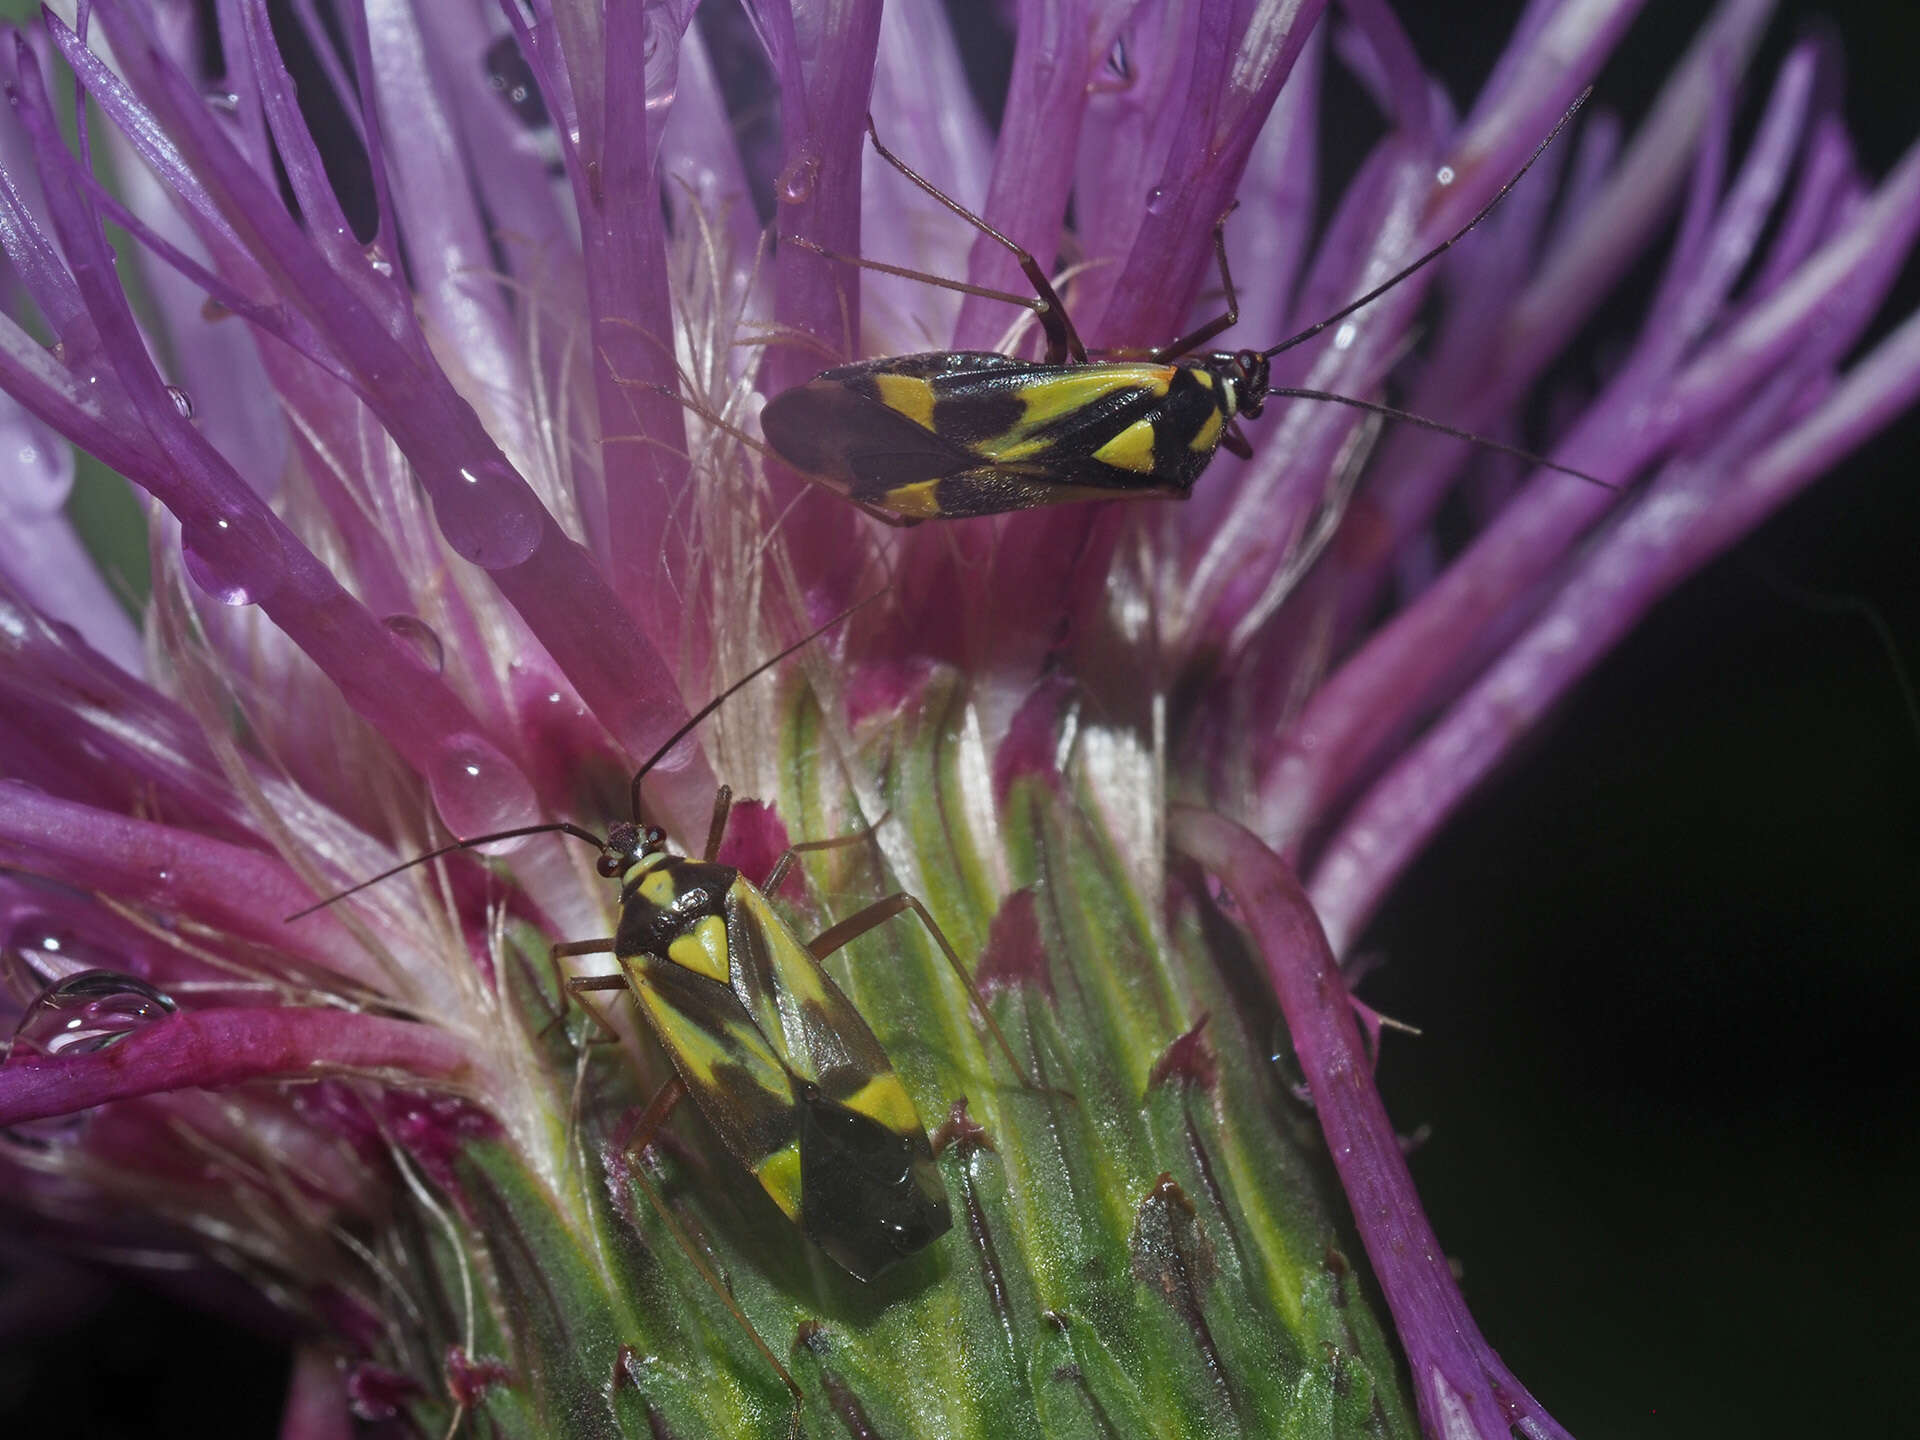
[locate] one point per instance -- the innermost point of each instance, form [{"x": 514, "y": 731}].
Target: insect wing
[
  {"x": 977, "y": 433},
  {"x": 835, "y": 429},
  {"x": 734, "y": 1075},
  {"x": 758, "y": 1031}
]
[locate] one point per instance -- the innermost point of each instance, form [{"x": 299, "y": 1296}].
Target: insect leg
[
  {"x": 568, "y": 987},
  {"x": 639, "y": 1135},
  {"x": 1194, "y": 339},
  {"x": 805, "y": 847},
  {"x": 717, "y": 827},
  {"x": 881, "y": 911},
  {"x": 1039, "y": 307},
  {"x": 1062, "y": 339}
]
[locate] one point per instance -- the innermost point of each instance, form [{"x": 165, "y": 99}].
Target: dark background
[{"x": 1664, "y": 966}]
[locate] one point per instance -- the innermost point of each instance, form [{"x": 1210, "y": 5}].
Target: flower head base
[{"x": 439, "y": 554}]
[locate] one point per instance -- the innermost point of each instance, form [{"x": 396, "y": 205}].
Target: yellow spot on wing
[
  {"x": 883, "y": 1099},
  {"x": 1048, "y": 399},
  {"x": 779, "y": 1175},
  {"x": 702, "y": 949},
  {"x": 916, "y": 501},
  {"x": 798, "y": 973},
  {"x": 700, "y": 1046},
  {"x": 912, "y": 397},
  {"x": 1131, "y": 449},
  {"x": 1208, "y": 435}
]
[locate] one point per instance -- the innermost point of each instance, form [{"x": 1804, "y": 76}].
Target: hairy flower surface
[{"x": 441, "y": 366}]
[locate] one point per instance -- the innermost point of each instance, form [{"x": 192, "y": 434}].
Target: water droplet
[
  {"x": 40, "y": 951},
  {"x": 223, "y": 101},
  {"x": 378, "y": 261},
  {"x": 796, "y": 182},
  {"x": 1444, "y": 175},
  {"x": 88, "y": 1011},
  {"x": 182, "y": 402},
  {"x": 477, "y": 789},
  {"x": 209, "y": 579},
  {"x": 1344, "y": 337},
  {"x": 422, "y": 637},
  {"x": 489, "y": 515},
  {"x": 236, "y": 562}
]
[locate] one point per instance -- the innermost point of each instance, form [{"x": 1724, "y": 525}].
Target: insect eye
[
  {"x": 655, "y": 838},
  {"x": 610, "y": 864}
]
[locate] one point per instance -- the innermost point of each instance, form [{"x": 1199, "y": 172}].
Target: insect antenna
[
  {"x": 560, "y": 827},
  {"x": 1434, "y": 254},
  {"x": 1407, "y": 417},
  {"x": 717, "y": 701}
]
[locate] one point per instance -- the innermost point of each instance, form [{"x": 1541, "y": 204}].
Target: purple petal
[
  {"x": 177, "y": 872},
  {"x": 1236, "y": 76},
  {"x": 215, "y": 1048},
  {"x": 823, "y": 52},
  {"x": 1697, "y": 511},
  {"x": 617, "y": 199},
  {"x": 1053, "y": 57},
  {"x": 486, "y": 510},
  {"x": 40, "y": 556},
  {"x": 1463, "y": 1388},
  {"x": 926, "y": 114},
  {"x": 702, "y": 165},
  {"x": 1398, "y": 674},
  {"x": 316, "y": 1405}
]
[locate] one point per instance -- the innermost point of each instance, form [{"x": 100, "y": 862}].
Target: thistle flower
[{"x": 437, "y": 552}]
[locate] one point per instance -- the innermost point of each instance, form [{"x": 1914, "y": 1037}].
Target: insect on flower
[
  {"x": 952, "y": 434},
  {"x": 779, "y": 1061}
]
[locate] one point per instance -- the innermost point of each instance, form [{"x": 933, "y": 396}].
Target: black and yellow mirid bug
[
  {"x": 778, "y": 1059},
  {"x": 780, "y": 1062},
  {"x": 952, "y": 434}
]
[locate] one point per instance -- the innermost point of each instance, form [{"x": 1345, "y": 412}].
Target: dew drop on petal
[
  {"x": 39, "y": 951},
  {"x": 489, "y": 515},
  {"x": 228, "y": 590},
  {"x": 421, "y": 637},
  {"x": 223, "y": 101},
  {"x": 795, "y": 185},
  {"x": 477, "y": 789},
  {"x": 87, "y": 1011},
  {"x": 1444, "y": 175},
  {"x": 182, "y": 402},
  {"x": 236, "y": 562}
]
